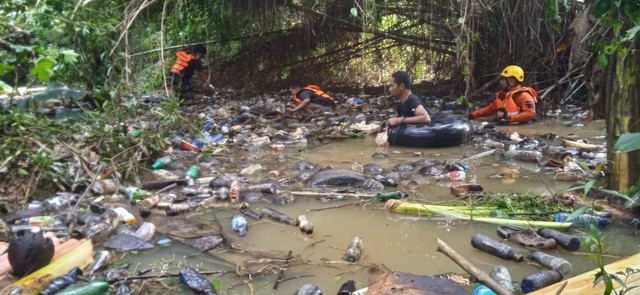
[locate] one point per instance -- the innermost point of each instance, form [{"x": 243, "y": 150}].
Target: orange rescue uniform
[
  {"x": 518, "y": 104},
  {"x": 321, "y": 97},
  {"x": 182, "y": 61}
]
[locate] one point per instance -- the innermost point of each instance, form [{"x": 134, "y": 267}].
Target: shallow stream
[{"x": 400, "y": 242}]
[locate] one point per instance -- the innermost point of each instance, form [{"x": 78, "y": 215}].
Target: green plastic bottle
[
  {"x": 97, "y": 287},
  {"x": 134, "y": 193},
  {"x": 193, "y": 172},
  {"x": 383, "y": 197},
  {"x": 161, "y": 163}
]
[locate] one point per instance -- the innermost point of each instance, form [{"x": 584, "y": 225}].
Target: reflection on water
[{"x": 391, "y": 241}]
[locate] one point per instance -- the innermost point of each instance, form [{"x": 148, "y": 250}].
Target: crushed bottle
[{"x": 239, "y": 224}]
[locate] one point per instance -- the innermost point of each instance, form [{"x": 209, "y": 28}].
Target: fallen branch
[
  {"x": 331, "y": 194},
  {"x": 470, "y": 268},
  {"x": 282, "y": 270},
  {"x": 339, "y": 206},
  {"x": 169, "y": 275}
]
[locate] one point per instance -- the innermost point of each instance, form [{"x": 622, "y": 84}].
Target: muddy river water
[{"x": 400, "y": 242}]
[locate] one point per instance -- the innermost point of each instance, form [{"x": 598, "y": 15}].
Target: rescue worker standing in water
[
  {"x": 514, "y": 103},
  {"x": 188, "y": 62},
  {"x": 310, "y": 98}
]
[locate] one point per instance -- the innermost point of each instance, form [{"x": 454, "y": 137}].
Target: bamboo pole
[
  {"x": 331, "y": 194},
  {"x": 470, "y": 268}
]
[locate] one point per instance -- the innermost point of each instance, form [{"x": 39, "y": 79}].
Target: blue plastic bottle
[
  {"x": 481, "y": 289},
  {"x": 540, "y": 280},
  {"x": 583, "y": 220}
]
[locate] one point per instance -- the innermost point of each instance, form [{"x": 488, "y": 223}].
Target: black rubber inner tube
[{"x": 443, "y": 131}]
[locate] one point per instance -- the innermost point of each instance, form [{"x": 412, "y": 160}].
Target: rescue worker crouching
[
  {"x": 188, "y": 62},
  {"x": 514, "y": 103},
  {"x": 310, "y": 98}
]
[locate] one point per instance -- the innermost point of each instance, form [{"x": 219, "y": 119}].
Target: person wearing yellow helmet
[{"x": 514, "y": 103}]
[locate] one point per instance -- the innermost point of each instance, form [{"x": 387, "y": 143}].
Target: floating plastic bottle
[
  {"x": 234, "y": 191},
  {"x": 501, "y": 275},
  {"x": 355, "y": 249},
  {"x": 161, "y": 163},
  {"x": 150, "y": 202},
  {"x": 253, "y": 168},
  {"x": 193, "y": 172},
  {"x": 481, "y": 289},
  {"x": 493, "y": 247},
  {"x": 267, "y": 188},
  {"x": 453, "y": 176},
  {"x": 308, "y": 289},
  {"x": 305, "y": 224},
  {"x": 250, "y": 213},
  {"x": 601, "y": 214},
  {"x": 277, "y": 216},
  {"x": 540, "y": 280},
  {"x": 568, "y": 242},
  {"x": 175, "y": 209},
  {"x": 124, "y": 215},
  {"x": 239, "y": 224},
  {"x": 551, "y": 262},
  {"x": 583, "y": 220},
  {"x": 383, "y": 197},
  {"x": 523, "y": 155},
  {"x": 347, "y": 288},
  {"x": 135, "y": 193},
  {"x": 104, "y": 187}
]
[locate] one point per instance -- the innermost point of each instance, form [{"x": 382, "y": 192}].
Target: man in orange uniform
[
  {"x": 310, "y": 98},
  {"x": 188, "y": 61},
  {"x": 514, "y": 103}
]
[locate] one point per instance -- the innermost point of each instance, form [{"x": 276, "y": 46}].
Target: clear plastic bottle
[
  {"x": 150, "y": 202},
  {"x": 308, "y": 289},
  {"x": 493, "y": 247},
  {"x": 568, "y": 242},
  {"x": 523, "y": 155},
  {"x": 354, "y": 252},
  {"x": 583, "y": 220},
  {"x": 551, "y": 262},
  {"x": 175, "y": 209},
  {"x": 124, "y": 215},
  {"x": 540, "y": 280},
  {"x": 453, "y": 176},
  {"x": 239, "y": 224},
  {"x": 104, "y": 187},
  {"x": 44, "y": 221},
  {"x": 501, "y": 275},
  {"x": 305, "y": 224},
  {"x": 267, "y": 188}
]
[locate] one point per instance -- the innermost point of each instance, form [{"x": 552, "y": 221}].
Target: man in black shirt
[{"x": 410, "y": 109}]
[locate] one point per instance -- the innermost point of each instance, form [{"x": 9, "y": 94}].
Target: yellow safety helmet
[{"x": 513, "y": 71}]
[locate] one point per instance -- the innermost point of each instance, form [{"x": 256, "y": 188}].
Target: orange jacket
[
  {"x": 182, "y": 61},
  {"x": 518, "y": 103},
  {"x": 316, "y": 90}
]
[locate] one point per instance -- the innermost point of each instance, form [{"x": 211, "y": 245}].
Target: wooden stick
[
  {"x": 339, "y": 206},
  {"x": 281, "y": 273},
  {"x": 470, "y": 268}
]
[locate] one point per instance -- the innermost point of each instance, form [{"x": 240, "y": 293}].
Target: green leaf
[
  {"x": 5, "y": 86},
  {"x": 23, "y": 171},
  {"x": 631, "y": 33},
  {"x": 600, "y": 7},
  {"x": 588, "y": 186},
  {"x": 43, "y": 69},
  {"x": 603, "y": 60},
  {"x": 577, "y": 213},
  {"x": 627, "y": 142},
  {"x": 354, "y": 12},
  {"x": 216, "y": 284},
  {"x": 20, "y": 48},
  {"x": 69, "y": 56}
]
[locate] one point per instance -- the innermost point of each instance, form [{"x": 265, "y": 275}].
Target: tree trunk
[{"x": 621, "y": 91}]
